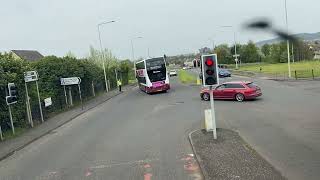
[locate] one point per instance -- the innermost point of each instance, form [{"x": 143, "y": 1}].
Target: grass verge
[
  {"x": 18, "y": 131},
  {"x": 302, "y": 69},
  {"x": 187, "y": 78}
]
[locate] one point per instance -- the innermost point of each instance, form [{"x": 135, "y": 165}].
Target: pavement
[
  {"x": 132, "y": 136},
  {"x": 8, "y": 147},
  {"x": 230, "y": 157}
]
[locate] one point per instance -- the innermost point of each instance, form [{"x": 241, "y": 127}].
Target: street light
[
  {"x": 132, "y": 48},
  {"x": 102, "y": 52},
  {"x": 288, "y": 43},
  {"x": 235, "y": 45},
  {"x": 212, "y": 41},
  {"x": 132, "y": 53}
]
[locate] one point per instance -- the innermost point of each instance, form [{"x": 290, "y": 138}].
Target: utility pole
[
  {"x": 292, "y": 54},
  {"x": 132, "y": 54},
  {"x": 288, "y": 43},
  {"x": 235, "y": 45}
]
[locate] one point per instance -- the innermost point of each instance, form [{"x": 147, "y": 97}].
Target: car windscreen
[
  {"x": 156, "y": 63},
  {"x": 156, "y": 69}
]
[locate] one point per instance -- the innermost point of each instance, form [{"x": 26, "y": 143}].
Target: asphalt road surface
[
  {"x": 132, "y": 136},
  {"x": 140, "y": 136}
]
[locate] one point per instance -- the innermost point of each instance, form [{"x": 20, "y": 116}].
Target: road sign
[
  {"x": 70, "y": 81},
  {"x": 236, "y": 55},
  {"x": 30, "y": 76},
  {"x": 47, "y": 102}
]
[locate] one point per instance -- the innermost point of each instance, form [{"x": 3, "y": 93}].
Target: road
[
  {"x": 132, "y": 136},
  {"x": 140, "y": 136}
]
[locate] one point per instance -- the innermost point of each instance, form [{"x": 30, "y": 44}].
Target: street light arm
[{"x": 106, "y": 22}]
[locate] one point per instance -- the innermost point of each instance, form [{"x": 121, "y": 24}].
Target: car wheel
[
  {"x": 239, "y": 97},
  {"x": 206, "y": 97}
]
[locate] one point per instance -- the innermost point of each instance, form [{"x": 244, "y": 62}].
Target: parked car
[
  {"x": 224, "y": 73},
  {"x": 238, "y": 90},
  {"x": 173, "y": 73}
]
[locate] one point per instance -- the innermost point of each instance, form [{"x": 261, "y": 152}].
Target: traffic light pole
[
  {"x": 213, "y": 114},
  {"x": 11, "y": 121}
]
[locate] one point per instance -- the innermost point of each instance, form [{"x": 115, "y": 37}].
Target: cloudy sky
[{"x": 167, "y": 26}]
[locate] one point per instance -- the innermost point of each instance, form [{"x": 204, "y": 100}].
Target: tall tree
[
  {"x": 265, "y": 49},
  {"x": 249, "y": 53},
  {"x": 224, "y": 54}
]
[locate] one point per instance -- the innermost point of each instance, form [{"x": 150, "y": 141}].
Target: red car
[{"x": 238, "y": 90}]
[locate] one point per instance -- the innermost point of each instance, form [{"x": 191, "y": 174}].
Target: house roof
[{"x": 28, "y": 55}]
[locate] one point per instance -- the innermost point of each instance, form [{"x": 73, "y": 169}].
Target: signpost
[
  {"x": 31, "y": 76},
  {"x": 47, "y": 102},
  {"x": 236, "y": 59},
  {"x": 28, "y": 106},
  {"x": 68, "y": 82}
]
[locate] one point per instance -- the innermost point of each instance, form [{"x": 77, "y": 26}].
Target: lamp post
[
  {"x": 288, "y": 43},
  {"x": 132, "y": 53},
  {"x": 213, "y": 44},
  {"x": 132, "y": 48},
  {"x": 102, "y": 52},
  {"x": 235, "y": 45}
]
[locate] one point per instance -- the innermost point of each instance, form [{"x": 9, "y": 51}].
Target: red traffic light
[{"x": 209, "y": 62}]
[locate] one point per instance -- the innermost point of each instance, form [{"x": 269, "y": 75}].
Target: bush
[{"x": 50, "y": 69}]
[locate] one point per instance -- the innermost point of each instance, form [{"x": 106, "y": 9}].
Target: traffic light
[
  {"x": 210, "y": 70},
  {"x": 12, "y": 89},
  {"x": 11, "y": 100}
]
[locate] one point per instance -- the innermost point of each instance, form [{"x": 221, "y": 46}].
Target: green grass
[
  {"x": 186, "y": 77},
  {"x": 18, "y": 131},
  {"x": 303, "y": 69}
]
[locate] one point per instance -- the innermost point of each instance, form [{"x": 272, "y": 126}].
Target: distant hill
[{"x": 303, "y": 36}]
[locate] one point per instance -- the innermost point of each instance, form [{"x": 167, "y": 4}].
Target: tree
[
  {"x": 249, "y": 53},
  {"x": 265, "y": 49},
  {"x": 70, "y": 55},
  {"x": 11, "y": 71},
  {"x": 224, "y": 54}
]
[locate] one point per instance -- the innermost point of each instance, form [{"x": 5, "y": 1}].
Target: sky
[{"x": 171, "y": 27}]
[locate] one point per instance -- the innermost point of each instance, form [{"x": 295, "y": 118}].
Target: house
[{"x": 27, "y": 55}]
